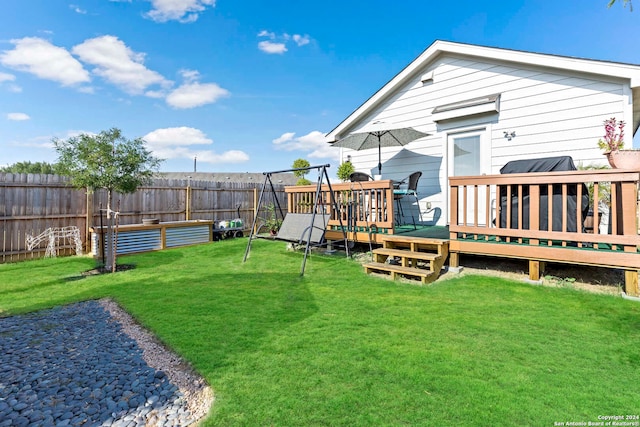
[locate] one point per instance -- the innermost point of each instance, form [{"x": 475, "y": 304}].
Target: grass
[{"x": 339, "y": 348}]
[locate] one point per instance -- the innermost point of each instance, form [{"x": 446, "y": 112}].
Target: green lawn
[{"x": 339, "y": 348}]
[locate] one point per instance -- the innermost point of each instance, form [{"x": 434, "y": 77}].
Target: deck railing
[
  {"x": 363, "y": 208},
  {"x": 544, "y": 211}
]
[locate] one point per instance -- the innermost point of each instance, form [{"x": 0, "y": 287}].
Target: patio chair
[
  {"x": 360, "y": 177},
  {"x": 408, "y": 187}
]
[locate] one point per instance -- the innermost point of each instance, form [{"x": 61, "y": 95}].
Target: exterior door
[{"x": 468, "y": 156}]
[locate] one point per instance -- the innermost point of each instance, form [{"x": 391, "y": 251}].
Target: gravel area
[{"x": 90, "y": 364}]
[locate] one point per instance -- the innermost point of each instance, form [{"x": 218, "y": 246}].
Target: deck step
[
  {"x": 417, "y": 244},
  {"x": 409, "y": 239},
  {"x": 426, "y": 276},
  {"x": 421, "y": 258},
  {"x": 424, "y": 256}
]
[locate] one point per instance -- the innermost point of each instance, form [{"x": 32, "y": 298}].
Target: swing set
[{"x": 299, "y": 228}]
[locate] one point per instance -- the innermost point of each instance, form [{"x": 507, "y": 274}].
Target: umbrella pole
[{"x": 379, "y": 157}]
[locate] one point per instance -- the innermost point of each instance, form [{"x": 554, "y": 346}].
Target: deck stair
[{"x": 415, "y": 257}]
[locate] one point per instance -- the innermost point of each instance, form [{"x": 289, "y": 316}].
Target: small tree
[
  {"x": 345, "y": 170},
  {"x": 299, "y": 164},
  {"x": 109, "y": 161},
  {"x": 28, "y": 167}
]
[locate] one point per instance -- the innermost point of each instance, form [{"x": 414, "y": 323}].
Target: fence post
[
  {"x": 187, "y": 207},
  {"x": 88, "y": 221}
]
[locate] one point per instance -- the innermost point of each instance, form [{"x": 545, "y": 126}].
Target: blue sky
[{"x": 249, "y": 86}]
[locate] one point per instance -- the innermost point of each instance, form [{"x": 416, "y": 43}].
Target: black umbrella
[{"x": 379, "y": 137}]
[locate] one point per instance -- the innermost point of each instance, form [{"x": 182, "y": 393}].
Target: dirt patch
[
  {"x": 104, "y": 270},
  {"x": 593, "y": 279}
]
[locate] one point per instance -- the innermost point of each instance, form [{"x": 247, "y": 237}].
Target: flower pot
[{"x": 624, "y": 159}]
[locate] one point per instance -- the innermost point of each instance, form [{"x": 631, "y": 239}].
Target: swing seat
[{"x": 295, "y": 228}]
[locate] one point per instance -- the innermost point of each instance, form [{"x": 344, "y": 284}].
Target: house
[{"x": 483, "y": 107}]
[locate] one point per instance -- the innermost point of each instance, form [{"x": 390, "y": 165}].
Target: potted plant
[
  {"x": 271, "y": 221},
  {"x": 613, "y": 144}
]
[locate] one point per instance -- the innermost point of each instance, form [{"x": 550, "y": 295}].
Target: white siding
[{"x": 552, "y": 113}]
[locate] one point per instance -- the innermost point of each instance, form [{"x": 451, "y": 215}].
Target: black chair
[
  {"x": 408, "y": 187},
  {"x": 360, "y": 177}
]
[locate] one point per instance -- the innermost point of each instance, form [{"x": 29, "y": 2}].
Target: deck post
[
  {"x": 631, "y": 283},
  {"x": 454, "y": 259},
  {"x": 535, "y": 269}
]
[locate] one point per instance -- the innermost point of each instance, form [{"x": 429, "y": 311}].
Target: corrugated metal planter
[{"x": 136, "y": 238}]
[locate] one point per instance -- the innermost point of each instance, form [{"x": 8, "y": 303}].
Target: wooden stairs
[{"x": 414, "y": 257}]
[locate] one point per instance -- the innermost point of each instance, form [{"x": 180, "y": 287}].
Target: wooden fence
[{"x": 31, "y": 203}]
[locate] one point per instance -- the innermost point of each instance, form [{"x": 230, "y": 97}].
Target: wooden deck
[
  {"x": 365, "y": 210},
  {"x": 481, "y": 222},
  {"x": 504, "y": 216}
]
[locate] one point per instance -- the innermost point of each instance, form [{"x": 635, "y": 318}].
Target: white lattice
[{"x": 53, "y": 235}]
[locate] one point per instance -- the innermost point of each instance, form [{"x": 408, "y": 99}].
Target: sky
[{"x": 249, "y": 86}]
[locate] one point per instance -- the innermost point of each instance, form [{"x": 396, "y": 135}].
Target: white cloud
[
  {"x": 190, "y": 76},
  {"x": 270, "y": 47},
  {"x": 37, "y": 142},
  {"x": 193, "y": 94},
  {"x": 277, "y": 44},
  {"x": 184, "y": 11},
  {"x": 77, "y": 9},
  {"x": 176, "y": 136},
  {"x": 284, "y": 138},
  {"x": 87, "y": 89},
  {"x": 45, "y": 141},
  {"x": 118, "y": 64},
  {"x": 177, "y": 142},
  {"x": 301, "y": 40},
  {"x": 314, "y": 143},
  {"x": 18, "y": 116},
  {"x": 155, "y": 94},
  {"x": 265, "y": 33},
  {"x": 6, "y": 77},
  {"x": 44, "y": 60}
]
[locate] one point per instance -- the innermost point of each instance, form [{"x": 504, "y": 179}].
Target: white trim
[
  {"x": 484, "y": 130},
  {"x": 627, "y": 108}
]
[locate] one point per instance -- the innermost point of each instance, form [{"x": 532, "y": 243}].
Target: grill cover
[{"x": 548, "y": 164}]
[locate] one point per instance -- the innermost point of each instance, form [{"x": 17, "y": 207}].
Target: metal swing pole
[
  {"x": 313, "y": 216},
  {"x": 336, "y": 209},
  {"x": 255, "y": 216}
]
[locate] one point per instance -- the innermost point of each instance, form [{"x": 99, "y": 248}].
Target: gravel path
[{"x": 90, "y": 364}]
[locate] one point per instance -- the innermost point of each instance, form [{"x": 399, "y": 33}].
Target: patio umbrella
[{"x": 379, "y": 136}]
